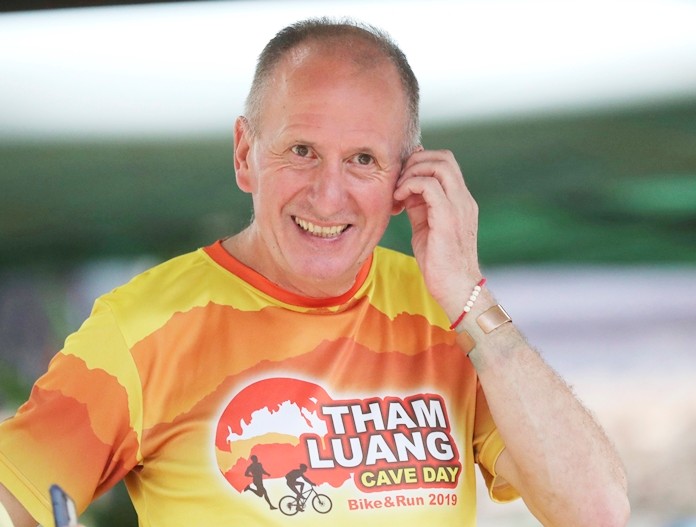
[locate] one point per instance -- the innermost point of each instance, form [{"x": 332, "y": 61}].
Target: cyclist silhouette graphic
[
  {"x": 256, "y": 471},
  {"x": 290, "y": 505},
  {"x": 297, "y": 487}
]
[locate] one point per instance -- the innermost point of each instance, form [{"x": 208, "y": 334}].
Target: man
[{"x": 300, "y": 341}]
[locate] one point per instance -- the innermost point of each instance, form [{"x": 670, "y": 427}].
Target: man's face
[{"x": 322, "y": 168}]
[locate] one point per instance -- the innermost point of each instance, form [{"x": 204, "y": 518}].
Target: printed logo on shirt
[{"x": 293, "y": 430}]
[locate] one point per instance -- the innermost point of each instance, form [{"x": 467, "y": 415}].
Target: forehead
[{"x": 345, "y": 87}]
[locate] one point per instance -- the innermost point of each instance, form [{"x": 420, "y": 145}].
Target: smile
[{"x": 317, "y": 230}]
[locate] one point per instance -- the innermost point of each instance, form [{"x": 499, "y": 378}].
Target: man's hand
[{"x": 444, "y": 220}]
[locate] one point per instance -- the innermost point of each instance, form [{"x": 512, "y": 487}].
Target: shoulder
[
  {"x": 176, "y": 285},
  {"x": 398, "y": 286},
  {"x": 394, "y": 263},
  {"x": 396, "y": 270},
  {"x": 167, "y": 278}
]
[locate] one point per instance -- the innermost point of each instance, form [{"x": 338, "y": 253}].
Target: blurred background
[{"x": 574, "y": 124}]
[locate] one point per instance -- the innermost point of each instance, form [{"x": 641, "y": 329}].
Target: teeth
[{"x": 322, "y": 232}]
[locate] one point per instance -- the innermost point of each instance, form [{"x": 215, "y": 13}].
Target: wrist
[
  {"x": 468, "y": 304},
  {"x": 480, "y": 316},
  {"x": 469, "y": 336},
  {"x": 492, "y": 318}
]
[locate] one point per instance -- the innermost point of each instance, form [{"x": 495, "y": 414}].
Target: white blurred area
[{"x": 184, "y": 68}]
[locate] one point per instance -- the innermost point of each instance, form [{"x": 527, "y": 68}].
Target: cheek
[
  {"x": 379, "y": 204},
  {"x": 276, "y": 189}
]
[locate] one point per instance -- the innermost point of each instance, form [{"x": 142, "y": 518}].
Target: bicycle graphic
[{"x": 291, "y": 505}]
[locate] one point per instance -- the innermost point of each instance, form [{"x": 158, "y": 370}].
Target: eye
[
  {"x": 364, "y": 159},
  {"x": 300, "y": 150}
]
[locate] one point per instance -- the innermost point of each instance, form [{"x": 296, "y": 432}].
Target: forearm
[{"x": 562, "y": 463}]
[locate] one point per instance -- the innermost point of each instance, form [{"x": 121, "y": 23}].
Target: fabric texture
[{"x": 203, "y": 385}]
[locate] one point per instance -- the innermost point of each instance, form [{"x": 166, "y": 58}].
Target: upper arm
[{"x": 505, "y": 470}]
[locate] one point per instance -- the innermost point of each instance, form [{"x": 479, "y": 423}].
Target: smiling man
[{"x": 300, "y": 342}]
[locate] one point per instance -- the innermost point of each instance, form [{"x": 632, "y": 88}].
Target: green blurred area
[
  {"x": 583, "y": 188},
  {"x": 587, "y": 188}
]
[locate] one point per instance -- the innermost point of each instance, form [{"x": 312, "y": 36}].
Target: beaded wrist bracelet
[{"x": 469, "y": 304}]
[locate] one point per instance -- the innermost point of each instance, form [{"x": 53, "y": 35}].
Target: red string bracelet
[{"x": 469, "y": 304}]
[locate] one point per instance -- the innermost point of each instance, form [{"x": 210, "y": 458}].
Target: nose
[{"x": 328, "y": 190}]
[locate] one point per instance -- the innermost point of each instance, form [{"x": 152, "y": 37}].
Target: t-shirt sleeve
[
  {"x": 81, "y": 426},
  {"x": 488, "y": 445}
]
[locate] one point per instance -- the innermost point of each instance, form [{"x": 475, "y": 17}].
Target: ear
[{"x": 242, "y": 152}]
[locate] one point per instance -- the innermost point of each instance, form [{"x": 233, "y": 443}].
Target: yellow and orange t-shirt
[{"x": 182, "y": 375}]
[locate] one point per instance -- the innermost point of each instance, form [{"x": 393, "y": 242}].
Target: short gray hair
[{"x": 325, "y": 29}]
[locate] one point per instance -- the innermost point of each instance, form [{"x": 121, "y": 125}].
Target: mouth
[{"x": 320, "y": 231}]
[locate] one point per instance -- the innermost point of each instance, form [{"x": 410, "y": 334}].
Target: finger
[
  {"x": 425, "y": 203},
  {"x": 440, "y": 165},
  {"x": 425, "y": 200},
  {"x": 423, "y": 155},
  {"x": 429, "y": 188}
]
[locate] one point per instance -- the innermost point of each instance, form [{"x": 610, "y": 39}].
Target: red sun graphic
[{"x": 267, "y": 419}]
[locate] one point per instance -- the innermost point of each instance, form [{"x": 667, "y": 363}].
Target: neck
[{"x": 249, "y": 249}]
